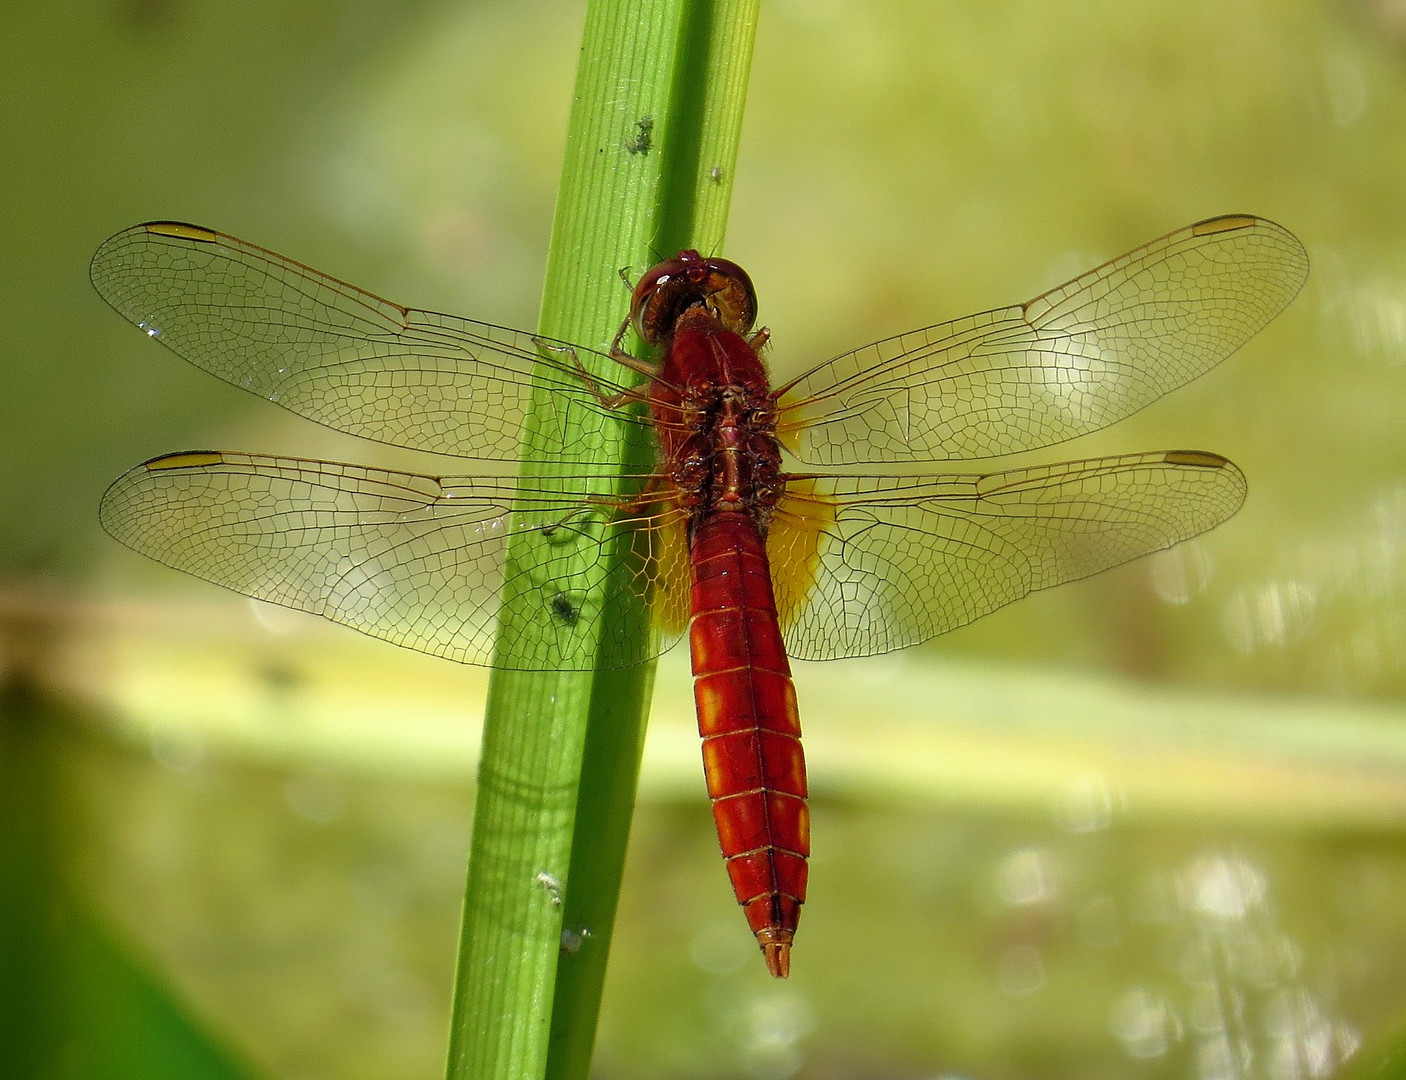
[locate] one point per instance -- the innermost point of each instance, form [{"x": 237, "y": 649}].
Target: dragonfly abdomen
[{"x": 751, "y": 729}]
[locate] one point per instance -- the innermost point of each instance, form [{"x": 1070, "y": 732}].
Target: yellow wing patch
[
  {"x": 793, "y": 545},
  {"x": 664, "y": 543}
]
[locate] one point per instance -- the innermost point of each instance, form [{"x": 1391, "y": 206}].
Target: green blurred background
[{"x": 1150, "y": 825}]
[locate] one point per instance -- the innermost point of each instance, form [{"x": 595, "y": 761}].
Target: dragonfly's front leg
[{"x": 617, "y": 353}]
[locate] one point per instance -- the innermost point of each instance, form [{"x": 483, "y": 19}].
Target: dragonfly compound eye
[{"x": 687, "y": 281}]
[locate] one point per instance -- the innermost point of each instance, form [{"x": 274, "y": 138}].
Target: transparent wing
[
  {"x": 340, "y": 356},
  {"x": 415, "y": 560},
  {"x": 871, "y": 564},
  {"x": 1074, "y": 360}
]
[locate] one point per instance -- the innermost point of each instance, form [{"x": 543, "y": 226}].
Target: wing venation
[
  {"x": 346, "y": 358},
  {"x": 899, "y": 560},
  {"x": 1073, "y": 360},
  {"x": 420, "y": 561}
]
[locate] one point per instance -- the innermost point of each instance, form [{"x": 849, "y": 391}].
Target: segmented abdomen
[{"x": 751, "y": 729}]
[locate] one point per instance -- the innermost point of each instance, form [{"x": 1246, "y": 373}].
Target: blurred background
[{"x": 1149, "y": 825}]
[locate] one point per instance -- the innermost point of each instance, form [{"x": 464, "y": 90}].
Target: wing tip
[
  {"x": 1284, "y": 238},
  {"x": 111, "y": 256},
  {"x": 1210, "y": 462}
]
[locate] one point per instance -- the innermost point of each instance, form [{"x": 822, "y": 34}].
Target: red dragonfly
[{"x": 815, "y": 565}]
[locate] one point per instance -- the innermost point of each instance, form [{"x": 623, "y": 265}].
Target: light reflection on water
[
  {"x": 1367, "y": 304},
  {"x": 769, "y": 1028},
  {"x": 1230, "y": 995},
  {"x": 1027, "y": 877},
  {"x": 1180, "y": 574},
  {"x": 1331, "y": 613},
  {"x": 1279, "y": 613},
  {"x": 1145, "y": 1024},
  {"x": 1238, "y": 1000},
  {"x": 1088, "y": 804}
]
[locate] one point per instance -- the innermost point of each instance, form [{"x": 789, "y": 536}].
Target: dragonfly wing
[
  {"x": 1071, "y": 361},
  {"x": 894, "y": 561},
  {"x": 420, "y": 561},
  {"x": 340, "y": 356}
]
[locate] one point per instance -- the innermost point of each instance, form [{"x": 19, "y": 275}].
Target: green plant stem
[{"x": 561, "y": 749}]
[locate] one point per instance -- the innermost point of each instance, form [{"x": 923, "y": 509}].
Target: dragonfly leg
[
  {"x": 647, "y": 368},
  {"x": 609, "y": 401}
]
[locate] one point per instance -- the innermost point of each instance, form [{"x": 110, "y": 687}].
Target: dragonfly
[{"x": 722, "y": 537}]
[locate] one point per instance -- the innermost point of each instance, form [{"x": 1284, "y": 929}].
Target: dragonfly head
[{"x": 688, "y": 281}]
